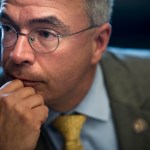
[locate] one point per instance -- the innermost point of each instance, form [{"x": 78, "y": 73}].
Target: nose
[{"x": 22, "y": 52}]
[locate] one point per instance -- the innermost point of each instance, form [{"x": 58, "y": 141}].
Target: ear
[{"x": 101, "y": 40}]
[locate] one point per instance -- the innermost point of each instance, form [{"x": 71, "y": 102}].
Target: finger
[
  {"x": 32, "y": 101},
  {"x": 13, "y": 98},
  {"x": 40, "y": 113},
  {"x": 23, "y": 93},
  {"x": 11, "y": 86}
]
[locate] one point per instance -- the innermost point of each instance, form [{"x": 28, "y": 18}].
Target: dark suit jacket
[{"x": 127, "y": 79}]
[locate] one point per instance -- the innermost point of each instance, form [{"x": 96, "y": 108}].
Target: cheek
[
  {"x": 65, "y": 68},
  {"x": 5, "y": 55},
  {"x": 68, "y": 64}
]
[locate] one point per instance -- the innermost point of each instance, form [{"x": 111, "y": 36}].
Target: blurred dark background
[{"x": 131, "y": 24}]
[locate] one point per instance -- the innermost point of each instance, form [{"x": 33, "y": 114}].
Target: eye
[
  {"x": 7, "y": 29},
  {"x": 45, "y": 34}
]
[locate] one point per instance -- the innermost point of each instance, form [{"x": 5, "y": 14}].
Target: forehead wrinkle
[
  {"x": 52, "y": 4},
  {"x": 51, "y": 20},
  {"x": 43, "y": 3}
]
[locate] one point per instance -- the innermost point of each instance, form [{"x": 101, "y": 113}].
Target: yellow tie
[{"x": 70, "y": 126}]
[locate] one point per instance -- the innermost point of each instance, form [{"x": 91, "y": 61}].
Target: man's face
[{"x": 64, "y": 76}]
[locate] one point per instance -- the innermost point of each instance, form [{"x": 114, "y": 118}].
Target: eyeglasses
[{"x": 42, "y": 40}]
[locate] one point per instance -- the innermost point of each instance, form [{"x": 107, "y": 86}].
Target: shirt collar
[{"x": 96, "y": 104}]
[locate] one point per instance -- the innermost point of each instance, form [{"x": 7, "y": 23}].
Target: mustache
[{"x": 22, "y": 72}]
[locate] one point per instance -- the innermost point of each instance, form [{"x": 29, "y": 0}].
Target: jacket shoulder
[
  {"x": 138, "y": 58},
  {"x": 129, "y": 65},
  {"x": 127, "y": 79}
]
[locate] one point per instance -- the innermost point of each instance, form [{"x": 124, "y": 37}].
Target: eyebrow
[
  {"x": 4, "y": 17},
  {"x": 50, "y": 20}
]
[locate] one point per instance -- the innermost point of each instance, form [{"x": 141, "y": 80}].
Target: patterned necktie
[{"x": 70, "y": 126}]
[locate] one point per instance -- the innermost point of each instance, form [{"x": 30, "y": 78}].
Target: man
[{"x": 50, "y": 56}]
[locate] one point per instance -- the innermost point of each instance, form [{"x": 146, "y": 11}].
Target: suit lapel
[
  {"x": 131, "y": 119},
  {"x": 44, "y": 142}
]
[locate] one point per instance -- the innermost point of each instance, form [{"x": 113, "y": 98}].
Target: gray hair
[{"x": 99, "y": 11}]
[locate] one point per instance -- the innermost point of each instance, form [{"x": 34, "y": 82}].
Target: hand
[{"x": 22, "y": 112}]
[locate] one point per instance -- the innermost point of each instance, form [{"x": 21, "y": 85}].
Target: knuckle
[
  {"x": 27, "y": 117},
  {"x": 31, "y": 89},
  {"x": 5, "y": 102},
  {"x": 42, "y": 115},
  {"x": 23, "y": 113},
  {"x": 17, "y": 81},
  {"x": 18, "y": 109},
  {"x": 37, "y": 127},
  {"x": 40, "y": 98}
]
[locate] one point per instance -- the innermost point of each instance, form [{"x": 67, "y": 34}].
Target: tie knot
[{"x": 69, "y": 126}]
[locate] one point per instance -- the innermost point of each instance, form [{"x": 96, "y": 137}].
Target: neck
[{"x": 70, "y": 101}]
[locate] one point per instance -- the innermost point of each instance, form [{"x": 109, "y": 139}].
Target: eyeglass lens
[{"x": 42, "y": 40}]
